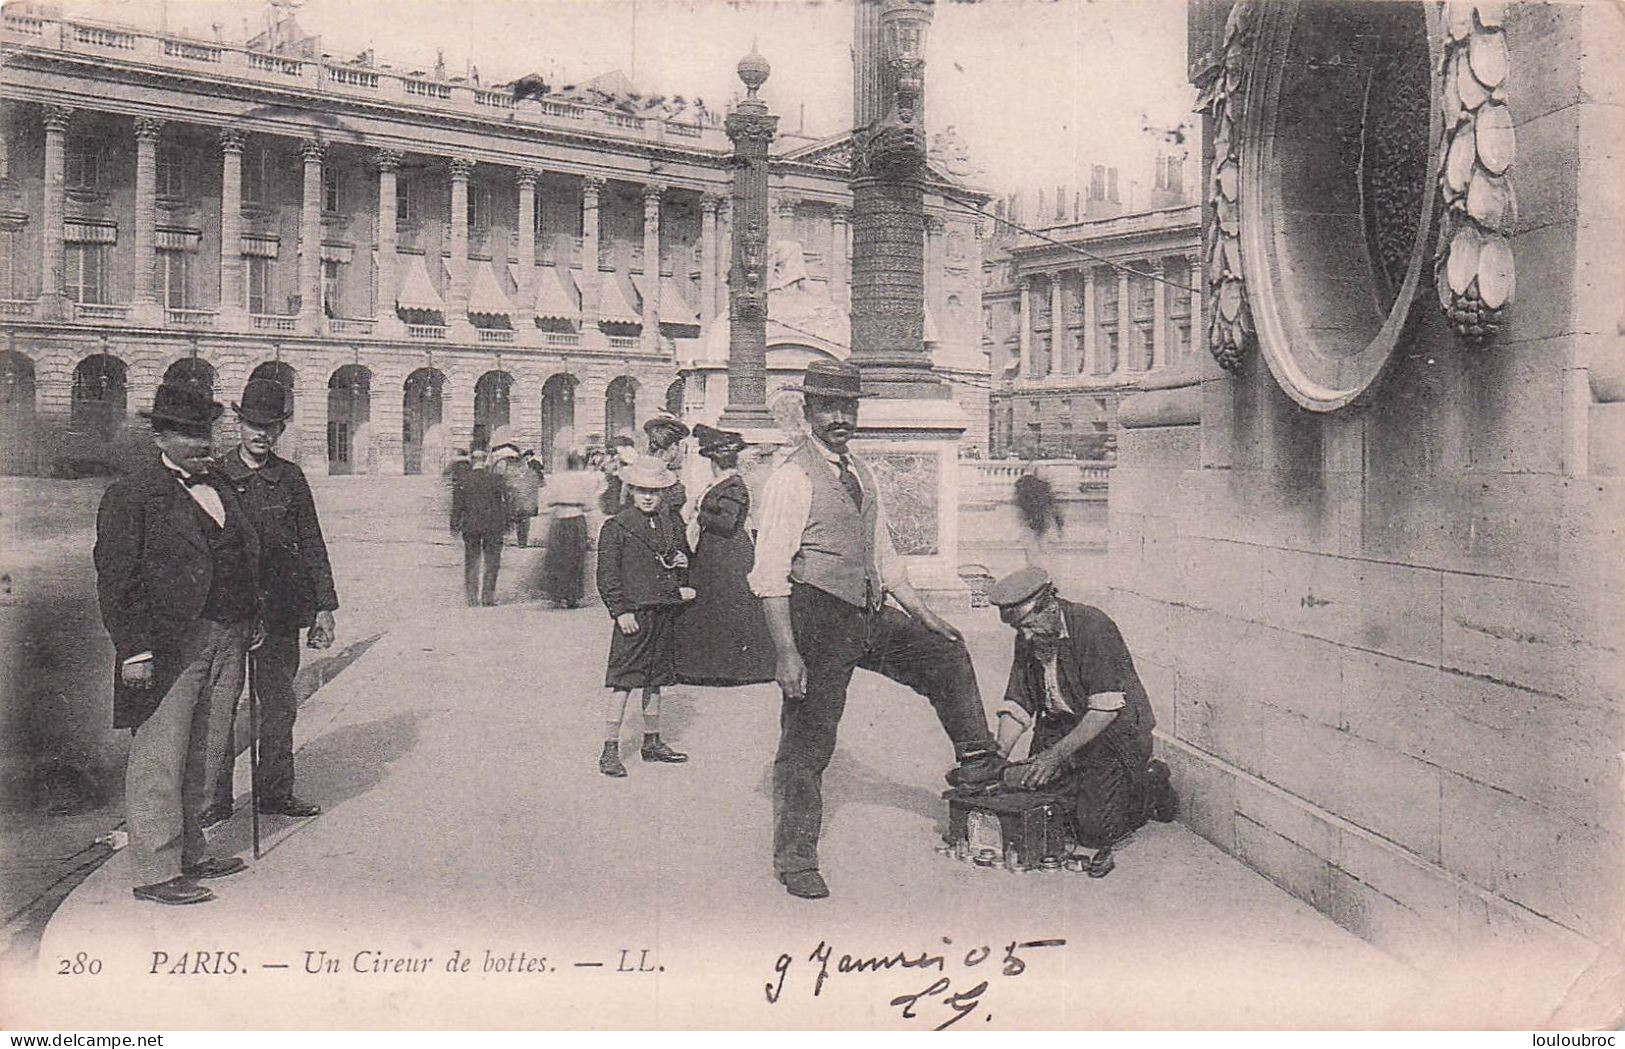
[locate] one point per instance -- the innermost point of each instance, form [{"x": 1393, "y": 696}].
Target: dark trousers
[
  {"x": 272, "y": 669},
  {"x": 481, "y": 549},
  {"x": 1109, "y": 790},
  {"x": 835, "y": 638},
  {"x": 521, "y": 531}
]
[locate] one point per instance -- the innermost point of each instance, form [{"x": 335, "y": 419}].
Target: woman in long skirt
[
  {"x": 722, "y": 636},
  {"x": 568, "y": 496}
]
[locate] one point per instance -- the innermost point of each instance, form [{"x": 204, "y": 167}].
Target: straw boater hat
[
  {"x": 830, "y": 379},
  {"x": 265, "y": 401},
  {"x": 183, "y": 405},
  {"x": 503, "y": 452},
  {"x": 713, "y": 441},
  {"x": 648, "y": 472}
]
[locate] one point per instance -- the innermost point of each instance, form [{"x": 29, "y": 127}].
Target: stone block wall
[{"x": 1383, "y": 643}]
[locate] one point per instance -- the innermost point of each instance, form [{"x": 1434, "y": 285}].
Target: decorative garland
[
  {"x": 1230, "y": 331},
  {"x": 1473, "y": 264}
]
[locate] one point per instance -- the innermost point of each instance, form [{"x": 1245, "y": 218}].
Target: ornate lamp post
[{"x": 750, "y": 127}]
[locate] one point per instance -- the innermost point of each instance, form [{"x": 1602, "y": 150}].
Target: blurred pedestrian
[
  {"x": 620, "y": 455},
  {"x": 486, "y": 511},
  {"x": 569, "y": 494},
  {"x": 722, "y": 636},
  {"x": 177, "y": 561},
  {"x": 643, "y": 579},
  {"x": 298, "y": 593},
  {"x": 455, "y": 473}
]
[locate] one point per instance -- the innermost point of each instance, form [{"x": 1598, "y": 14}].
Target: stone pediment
[{"x": 947, "y": 166}]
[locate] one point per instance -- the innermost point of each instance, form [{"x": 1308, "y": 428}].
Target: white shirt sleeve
[{"x": 786, "y": 504}]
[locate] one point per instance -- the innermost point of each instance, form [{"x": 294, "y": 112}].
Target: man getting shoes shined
[
  {"x": 297, "y": 587},
  {"x": 824, "y": 565}
]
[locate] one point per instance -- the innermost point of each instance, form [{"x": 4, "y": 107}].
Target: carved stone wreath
[
  {"x": 1230, "y": 322},
  {"x": 1473, "y": 263}
]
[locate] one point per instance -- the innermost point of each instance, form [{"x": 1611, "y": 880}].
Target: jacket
[
  {"x": 630, "y": 572},
  {"x": 153, "y": 571},
  {"x": 296, "y": 577},
  {"x": 487, "y": 503}
]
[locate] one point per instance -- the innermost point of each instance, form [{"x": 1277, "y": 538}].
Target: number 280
[{"x": 79, "y": 965}]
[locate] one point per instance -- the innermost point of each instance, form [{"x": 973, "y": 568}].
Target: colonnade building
[
  {"x": 426, "y": 262},
  {"x": 1090, "y": 306}
]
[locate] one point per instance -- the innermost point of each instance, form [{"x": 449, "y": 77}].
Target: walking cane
[{"x": 254, "y": 753}]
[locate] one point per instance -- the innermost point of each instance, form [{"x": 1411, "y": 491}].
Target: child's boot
[
  {"x": 655, "y": 749},
  {"x": 609, "y": 762}
]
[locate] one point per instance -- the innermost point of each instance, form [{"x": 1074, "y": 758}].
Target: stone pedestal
[{"x": 912, "y": 445}]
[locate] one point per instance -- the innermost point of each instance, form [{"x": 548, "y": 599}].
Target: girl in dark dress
[
  {"x": 722, "y": 636},
  {"x": 643, "y": 579},
  {"x": 569, "y": 495}
]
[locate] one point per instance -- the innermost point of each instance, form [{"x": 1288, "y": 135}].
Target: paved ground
[{"x": 457, "y": 762}]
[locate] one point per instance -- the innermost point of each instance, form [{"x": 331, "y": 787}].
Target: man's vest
[
  {"x": 837, "y": 553},
  {"x": 231, "y": 580}
]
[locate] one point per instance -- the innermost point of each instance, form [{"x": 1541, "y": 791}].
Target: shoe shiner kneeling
[
  {"x": 643, "y": 579},
  {"x": 1073, "y": 684}
]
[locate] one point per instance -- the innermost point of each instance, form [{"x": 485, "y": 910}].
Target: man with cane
[{"x": 298, "y": 595}]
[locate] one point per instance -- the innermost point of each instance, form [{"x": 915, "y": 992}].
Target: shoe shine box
[{"x": 1031, "y": 824}]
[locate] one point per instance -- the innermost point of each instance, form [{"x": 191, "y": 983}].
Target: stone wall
[{"x": 1383, "y": 642}]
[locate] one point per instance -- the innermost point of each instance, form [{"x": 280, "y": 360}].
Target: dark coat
[
  {"x": 456, "y": 473},
  {"x": 630, "y": 575},
  {"x": 296, "y": 577},
  {"x": 1092, "y": 659},
  {"x": 487, "y": 503},
  {"x": 153, "y": 571}
]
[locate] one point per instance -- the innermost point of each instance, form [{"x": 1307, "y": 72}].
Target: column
[
  {"x": 145, "y": 307},
  {"x": 1195, "y": 277},
  {"x": 525, "y": 313},
  {"x": 783, "y": 222},
  {"x": 388, "y": 382},
  {"x": 1125, "y": 321},
  {"x": 840, "y": 261},
  {"x": 53, "y": 303},
  {"x": 1060, "y": 362},
  {"x": 750, "y": 128},
  {"x": 233, "y": 299},
  {"x": 651, "y": 267},
  {"x": 934, "y": 297},
  {"x": 1159, "y": 315},
  {"x": 1091, "y": 351},
  {"x": 725, "y": 252},
  {"x": 457, "y": 289},
  {"x": 388, "y": 162},
  {"x": 1024, "y": 327},
  {"x": 591, "y": 187},
  {"x": 708, "y": 260},
  {"x": 310, "y": 243}
]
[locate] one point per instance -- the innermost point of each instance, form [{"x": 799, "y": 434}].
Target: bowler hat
[
  {"x": 830, "y": 379},
  {"x": 183, "y": 405},
  {"x": 713, "y": 441},
  {"x": 1018, "y": 586},
  {"x": 648, "y": 472},
  {"x": 265, "y": 401}
]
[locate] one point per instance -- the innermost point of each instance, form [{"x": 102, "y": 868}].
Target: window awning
[
  {"x": 674, "y": 305},
  {"x": 615, "y": 301},
  {"x": 81, "y": 231},
  {"x": 417, "y": 291},
  {"x": 338, "y": 253},
  {"x": 260, "y": 245},
  {"x": 486, "y": 296},
  {"x": 172, "y": 239},
  {"x": 558, "y": 294}
]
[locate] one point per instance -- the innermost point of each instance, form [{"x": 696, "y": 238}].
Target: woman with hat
[
  {"x": 722, "y": 637},
  {"x": 569, "y": 494},
  {"x": 666, "y": 434},
  {"x": 643, "y": 579}
]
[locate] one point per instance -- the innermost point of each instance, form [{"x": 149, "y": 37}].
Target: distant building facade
[
  {"x": 427, "y": 262},
  {"x": 1077, "y": 317}
]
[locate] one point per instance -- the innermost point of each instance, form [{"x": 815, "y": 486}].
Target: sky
[{"x": 1037, "y": 89}]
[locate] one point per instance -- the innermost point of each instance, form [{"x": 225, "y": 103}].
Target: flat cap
[{"x": 1018, "y": 586}]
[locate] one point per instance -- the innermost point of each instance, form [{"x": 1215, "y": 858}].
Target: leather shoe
[
  {"x": 660, "y": 751},
  {"x": 214, "y": 815},
  {"x": 175, "y": 892},
  {"x": 977, "y": 770},
  {"x": 609, "y": 762},
  {"x": 809, "y": 885},
  {"x": 289, "y": 806},
  {"x": 215, "y": 867},
  {"x": 1164, "y": 802}
]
